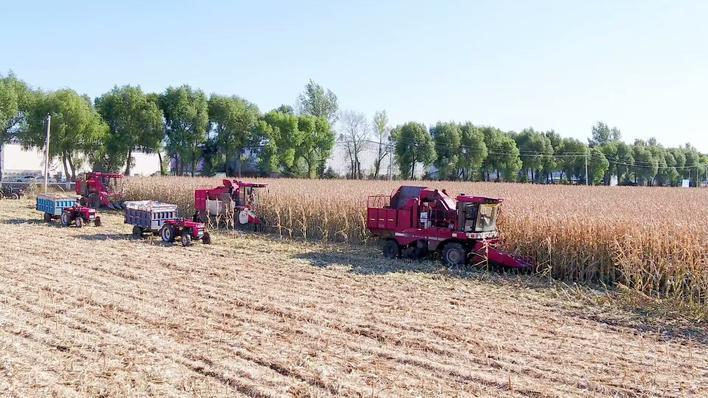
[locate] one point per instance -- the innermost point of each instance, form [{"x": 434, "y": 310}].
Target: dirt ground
[{"x": 91, "y": 312}]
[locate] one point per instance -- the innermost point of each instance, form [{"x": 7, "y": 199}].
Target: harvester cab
[
  {"x": 99, "y": 189},
  {"x": 417, "y": 220},
  {"x": 234, "y": 198}
]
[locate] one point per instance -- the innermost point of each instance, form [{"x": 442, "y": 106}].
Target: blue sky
[{"x": 639, "y": 65}]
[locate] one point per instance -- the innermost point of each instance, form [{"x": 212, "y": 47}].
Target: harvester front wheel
[
  {"x": 454, "y": 254},
  {"x": 186, "y": 238},
  {"x": 206, "y": 238},
  {"x": 79, "y": 222},
  {"x": 391, "y": 249},
  {"x": 137, "y": 232},
  {"x": 65, "y": 219},
  {"x": 167, "y": 233}
]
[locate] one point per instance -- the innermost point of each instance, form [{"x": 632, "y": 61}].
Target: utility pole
[
  {"x": 587, "y": 178},
  {"x": 46, "y": 154},
  {"x": 390, "y": 161}
]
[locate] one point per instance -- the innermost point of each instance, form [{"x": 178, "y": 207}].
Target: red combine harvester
[
  {"x": 101, "y": 189},
  {"x": 234, "y": 197},
  {"x": 417, "y": 220}
]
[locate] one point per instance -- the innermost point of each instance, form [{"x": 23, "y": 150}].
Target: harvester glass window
[{"x": 487, "y": 218}]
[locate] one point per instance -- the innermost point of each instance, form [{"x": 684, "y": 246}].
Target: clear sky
[{"x": 639, "y": 65}]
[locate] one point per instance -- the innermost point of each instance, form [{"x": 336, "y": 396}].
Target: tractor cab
[{"x": 477, "y": 214}]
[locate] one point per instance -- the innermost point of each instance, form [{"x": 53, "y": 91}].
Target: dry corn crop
[{"x": 653, "y": 240}]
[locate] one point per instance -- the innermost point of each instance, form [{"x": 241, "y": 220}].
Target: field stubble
[
  {"x": 651, "y": 240},
  {"x": 90, "y": 312}
]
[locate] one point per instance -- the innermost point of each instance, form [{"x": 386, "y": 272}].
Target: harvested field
[{"x": 90, "y": 312}]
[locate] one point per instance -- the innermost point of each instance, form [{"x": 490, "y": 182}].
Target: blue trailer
[{"x": 53, "y": 205}]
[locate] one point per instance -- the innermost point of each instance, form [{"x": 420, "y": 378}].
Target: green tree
[
  {"x": 280, "y": 138},
  {"x": 413, "y": 145},
  {"x": 233, "y": 120},
  {"x": 504, "y": 157},
  {"x": 473, "y": 151},
  {"x": 318, "y": 102},
  {"x": 15, "y": 101},
  {"x": 645, "y": 165},
  {"x": 610, "y": 151},
  {"x": 316, "y": 144},
  {"x": 571, "y": 158},
  {"x": 538, "y": 152},
  {"x": 135, "y": 123},
  {"x": 447, "y": 138},
  {"x": 625, "y": 163},
  {"x": 602, "y": 134},
  {"x": 597, "y": 166},
  {"x": 187, "y": 120},
  {"x": 76, "y": 128}
]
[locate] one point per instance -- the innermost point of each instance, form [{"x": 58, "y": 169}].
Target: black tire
[
  {"x": 79, "y": 221},
  {"x": 206, "y": 238},
  {"x": 47, "y": 217},
  {"x": 15, "y": 196},
  {"x": 186, "y": 238},
  {"x": 65, "y": 219},
  {"x": 97, "y": 221},
  {"x": 167, "y": 233},
  {"x": 454, "y": 254},
  {"x": 137, "y": 232},
  {"x": 391, "y": 249}
]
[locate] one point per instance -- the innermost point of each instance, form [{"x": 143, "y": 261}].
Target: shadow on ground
[
  {"x": 368, "y": 261},
  {"x": 33, "y": 221}
]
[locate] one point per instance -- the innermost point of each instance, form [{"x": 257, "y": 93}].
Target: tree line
[{"x": 192, "y": 132}]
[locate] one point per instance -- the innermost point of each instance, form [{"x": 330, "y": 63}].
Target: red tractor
[
  {"x": 417, "y": 220},
  {"x": 101, "y": 189},
  {"x": 234, "y": 198},
  {"x": 187, "y": 230},
  {"x": 79, "y": 215}
]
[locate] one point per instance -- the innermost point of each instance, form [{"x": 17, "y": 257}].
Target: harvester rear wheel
[
  {"x": 65, "y": 219},
  {"x": 79, "y": 221},
  {"x": 137, "y": 232},
  {"x": 391, "y": 249},
  {"x": 206, "y": 239},
  {"x": 186, "y": 238},
  {"x": 454, "y": 254},
  {"x": 167, "y": 233}
]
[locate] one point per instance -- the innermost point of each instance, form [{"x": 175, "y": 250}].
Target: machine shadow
[
  {"x": 104, "y": 236},
  {"x": 368, "y": 261},
  {"x": 18, "y": 221}
]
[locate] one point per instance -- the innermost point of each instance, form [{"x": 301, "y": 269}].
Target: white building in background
[{"x": 15, "y": 162}]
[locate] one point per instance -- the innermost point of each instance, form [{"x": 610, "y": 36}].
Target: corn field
[{"x": 652, "y": 240}]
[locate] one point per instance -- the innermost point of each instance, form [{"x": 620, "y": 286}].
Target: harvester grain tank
[{"x": 417, "y": 220}]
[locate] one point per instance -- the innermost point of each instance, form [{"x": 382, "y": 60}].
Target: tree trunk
[
  {"x": 159, "y": 158},
  {"x": 71, "y": 166},
  {"x": 66, "y": 168},
  {"x": 238, "y": 162},
  {"x": 127, "y": 163}
]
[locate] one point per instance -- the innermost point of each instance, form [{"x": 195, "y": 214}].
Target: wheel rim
[
  {"x": 454, "y": 257},
  {"x": 167, "y": 234}
]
